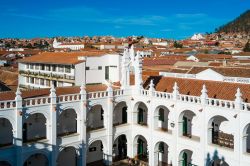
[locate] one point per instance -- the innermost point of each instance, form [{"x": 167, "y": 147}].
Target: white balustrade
[
  {"x": 163, "y": 95},
  {"x": 221, "y": 103},
  {"x": 96, "y": 95},
  {"x": 36, "y": 101},
  {"x": 191, "y": 99},
  {"x": 8, "y": 104},
  {"x": 68, "y": 98}
]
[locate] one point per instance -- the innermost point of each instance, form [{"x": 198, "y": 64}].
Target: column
[
  {"x": 53, "y": 126},
  {"x": 109, "y": 126},
  {"x": 82, "y": 118},
  {"x": 19, "y": 128}
]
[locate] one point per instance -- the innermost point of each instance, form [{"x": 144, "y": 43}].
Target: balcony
[
  {"x": 223, "y": 139},
  {"x": 33, "y": 140},
  {"x": 50, "y": 76}
]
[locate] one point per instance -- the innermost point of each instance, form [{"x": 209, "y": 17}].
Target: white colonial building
[
  {"x": 69, "y": 69},
  {"x": 151, "y": 122},
  {"x": 71, "y": 46}
]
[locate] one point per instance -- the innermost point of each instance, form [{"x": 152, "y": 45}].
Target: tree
[
  {"x": 177, "y": 45},
  {"x": 247, "y": 47}
]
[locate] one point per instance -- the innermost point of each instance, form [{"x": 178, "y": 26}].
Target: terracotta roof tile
[
  {"x": 219, "y": 90},
  {"x": 61, "y": 57}
]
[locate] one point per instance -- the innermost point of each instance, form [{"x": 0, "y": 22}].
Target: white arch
[
  {"x": 44, "y": 113},
  {"x": 103, "y": 141},
  {"x": 12, "y": 121},
  {"x": 63, "y": 108},
  {"x": 42, "y": 152}
]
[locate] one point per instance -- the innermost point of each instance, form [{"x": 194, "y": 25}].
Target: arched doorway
[
  {"x": 120, "y": 148},
  {"x": 95, "y": 155},
  {"x": 161, "y": 118},
  {"x": 34, "y": 128},
  {"x": 142, "y": 114},
  {"x": 67, "y": 123},
  {"x": 216, "y": 135},
  {"x": 185, "y": 158},
  {"x": 95, "y": 118},
  {"x": 141, "y": 148},
  {"x": 37, "y": 159},
  {"x": 246, "y": 139},
  {"x": 67, "y": 157},
  {"x": 120, "y": 114},
  {"x": 185, "y": 127},
  {"x": 4, "y": 163},
  {"x": 161, "y": 154},
  {"x": 6, "y": 134}
]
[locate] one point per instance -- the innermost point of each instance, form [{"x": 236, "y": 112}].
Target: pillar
[
  {"x": 109, "y": 126},
  {"x": 53, "y": 125},
  {"x": 83, "y": 123},
  {"x": 19, "y": 128}
]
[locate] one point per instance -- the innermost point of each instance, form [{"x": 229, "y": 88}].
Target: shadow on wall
[{"x": 215, "y": 160}]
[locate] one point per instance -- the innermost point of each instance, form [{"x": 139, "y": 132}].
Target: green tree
[{"x": 177, "y": 45}]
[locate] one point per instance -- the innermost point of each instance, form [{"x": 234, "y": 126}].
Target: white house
[
  {"x": 68, "y": 69},
  {"x": 72, "y": 46}
]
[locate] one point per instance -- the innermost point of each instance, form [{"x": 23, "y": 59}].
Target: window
[
  {"x": 87, "y": 68},
  {"x": 27, "y": 66},
  {"x": 27, "y": 79},
  {"x": 41, "y": 81},
  {"x": 37, "y": 67},
  {"x": 32, "y": 80},
  {"x": 31, "y": 66},
  {"x": 47, "y": 83},
  {"x": 60, "y": 68},
  {"x": 42, "y": 67},
  {"x": 37, "y": 81},
  {"x": 99, "y": 67},
  {"x": 67, "y": 69},
  {"x": 106, "y": 72},
  {"x": 54, "y": 68},
  {"x": 47, "y": 67},
  {"x": 60, "y": 84}
]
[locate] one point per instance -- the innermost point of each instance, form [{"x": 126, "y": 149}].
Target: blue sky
[{"x": 152, "y": 18}]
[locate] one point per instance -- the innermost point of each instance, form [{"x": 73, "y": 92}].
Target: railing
[
  {"x": 36, "y": 101},
  {"x": 223, "y": 139},
  {"x": 144, "y": 92},
  {"x": 246, "y": 106},
  {"x": 118, "y": 92},
  {"x": 8, "y": 104},
  {"x": 191, "y": 99},
  {"x": 69, "y": 98},
  {"x": 221, "y": 103},
  {"x": 95, "y": 95},
  {"x": 47, "y": 75},
  {"x": 163, "y": 95}
]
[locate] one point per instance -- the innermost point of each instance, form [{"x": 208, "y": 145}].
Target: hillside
[{"x": 238, "y": 25}]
